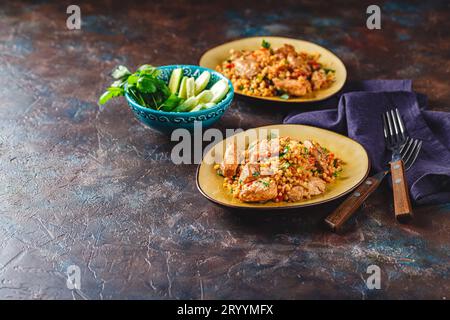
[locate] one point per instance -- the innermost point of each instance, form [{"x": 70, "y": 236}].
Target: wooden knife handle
[
  {"x": 352, "y": 203},
  {"x": 402, "y": 203}
]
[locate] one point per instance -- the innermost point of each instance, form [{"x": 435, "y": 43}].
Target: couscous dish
[
  {"x": 279, "y": 169},
  {"x": 282, "y": 72}
]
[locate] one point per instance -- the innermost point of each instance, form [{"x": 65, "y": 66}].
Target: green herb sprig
[
  {"x": 143, "y": 86},
  {"x": 265, "y": 44}
]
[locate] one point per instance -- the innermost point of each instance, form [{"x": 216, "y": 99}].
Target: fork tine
[
  {"x": 412, "y": 159},
  {"x": 390, "y": 128},
  {"x": 388, "y": 118},
  {"x": 407, "y": 142},
  {"x": 394, "y": 121},
  {"x": 405, "y": 148},
  {"x": 387, "y": 131},
  {"x": 400, "y": 125},
  {"x": 400, "y": 121},
  {"x": 408, "y": 153},
  {"x": 385, "y": 127}
]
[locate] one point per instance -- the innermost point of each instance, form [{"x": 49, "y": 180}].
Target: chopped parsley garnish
[
  {"x": 286, "y": 150},
  {"x": 265, "y": 183},
  {"x": 241, "y": 87},
  {"x": 256, "y": 174},
  {"x": 265, "y": 44},
  {"x": 328, "y": 70},
  {"x": 335, "y": 162},
  {"x": 285, "y": 165}
]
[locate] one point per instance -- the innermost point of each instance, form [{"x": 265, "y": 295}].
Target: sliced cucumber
[
  {"x": 175, "y": 79},
  {"x": 205, "y": 96},
  {"x": 190, "y": 87},
  {"x": 203, "y": 106},
  {"x": 219, "y": 90},
  {"x": 202, "y": 81},
  {"x": 209, "y": 105},
  {"x": 182, "y": 92},
  {"x": 198, "y": 107},
  {"x": 189, "y": 104}
]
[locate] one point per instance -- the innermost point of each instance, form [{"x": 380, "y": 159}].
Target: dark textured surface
[{"x": 97, "y": 189}]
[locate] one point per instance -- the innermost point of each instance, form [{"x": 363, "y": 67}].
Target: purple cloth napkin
[{"x": 358, "y": 115}]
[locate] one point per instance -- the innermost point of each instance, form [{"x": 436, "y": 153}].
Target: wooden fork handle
[
  {"x": 402, "y": 203},
  {"x": 352, "y": 203}
]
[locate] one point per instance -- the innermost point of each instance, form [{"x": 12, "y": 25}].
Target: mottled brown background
[{"x": 97, "y": 189}]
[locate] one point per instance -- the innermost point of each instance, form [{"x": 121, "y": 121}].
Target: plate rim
[
  {"x": 275, "y": 99},
  {"x": 264, "y": 208}
]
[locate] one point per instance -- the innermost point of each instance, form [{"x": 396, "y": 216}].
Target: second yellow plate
[
  {"x": 217, "y": 55},
  {"x": 355, "y": 169}
]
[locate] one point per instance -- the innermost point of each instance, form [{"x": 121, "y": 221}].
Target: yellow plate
[
  {"x": 217, "y": 55},
  {"x": 355, "y": 169}
]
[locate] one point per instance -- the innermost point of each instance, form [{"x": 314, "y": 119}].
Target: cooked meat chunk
[
  {"x": 285, "y": 50},
  {"x": 271, "y": 169},
  {"x": 316, "y": 152},
  {"x": 249, "y": 172},
  {"x": 319, "y": 80},
  {"x": 316, "y": 186},
  {"x": 295, "y": 61},
  {"x": 246, "y": 67},
  {"x": 230, "y": 161},
  {"x": 298, "y": 87},
  {"x": 260, "y": 190},
  {"x": 297, "y": 193},
  {"x": 308, "y": 144},
  {"x": 259, "y": 151},
  {"x": 264, "y": 149}
]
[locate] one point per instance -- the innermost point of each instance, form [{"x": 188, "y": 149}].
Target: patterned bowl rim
[{"x": 224, "y": 103}]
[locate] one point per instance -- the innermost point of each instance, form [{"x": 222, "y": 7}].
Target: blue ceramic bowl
[{"x": 166, "y": 122}]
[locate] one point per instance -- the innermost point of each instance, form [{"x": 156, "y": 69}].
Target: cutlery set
[{"x": 404, "y": 151}]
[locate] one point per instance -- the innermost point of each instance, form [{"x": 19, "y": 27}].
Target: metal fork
[
  {"x": 335, "y": 221},
  {"x": 396, "y": 138}
]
